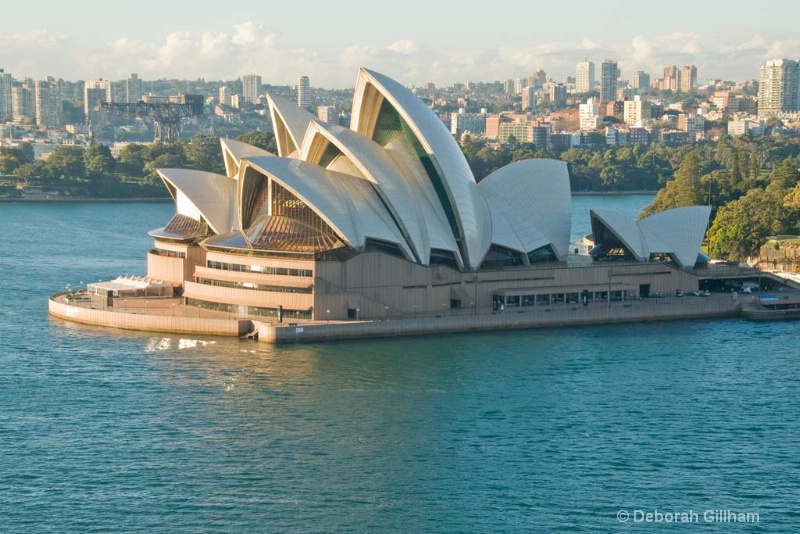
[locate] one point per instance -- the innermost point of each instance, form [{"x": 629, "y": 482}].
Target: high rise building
[
  {"x": 636, "y": 111},
  {"x": 608, "y": 80},
  {"x": 95, "y": 92},
  {"x": 251, "y": 87},
  {"x": 584, "y": 77},
  {"x": 641, "y": 80},
  {"x": 303, "y": 92},
  {"x": 224, "y": 96},
  {"x": 691, "y": 123},
  {"x": 508, "y": 86},
  {"x": 463, "y": 122},
  {"x": 329, "y": 114},
  {"x": 133, "y": 88},
  {"x": 22, "y": 103},
  {"x": 47, "y": 104},
  {"x": 672, "y": 79},
  {"x": 689, "y": 79},
  {"x": 558, "y": 95},
  {"x": 589, "y": 114},
  {"x": 519, "y": 85},
  {"x": 541, "y": 137},
  {"x": 521, "y": 131},
  {"x": 528, "y": 98},
  {"x": 6, "y": 107},
  {"x": 539, "y": 78},
  {"x": 779, "y": 87}
]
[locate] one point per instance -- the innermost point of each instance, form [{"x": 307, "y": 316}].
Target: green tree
[
  {"x": 164, "y": 156},
  {"x": 34, "y": 172},
  {"x": 12, "y": 157},
  {"x": 685, "y": 190},
  {"x": 204, "y": 154},
  {"x": 98, "y": 161},
  {"x": 66, "y": 163},
  {"x": 132, "y": 158},
  {"x": 786, "y": 176},
  {"x": 264, "y": 140},
  {"x": 742, "y": 226}
]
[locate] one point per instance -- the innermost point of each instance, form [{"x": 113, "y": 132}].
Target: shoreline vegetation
[
  {"x": 162, "y": 200},
  {"x": 81, "y": 200},
  {"x": 752, "y": 185}
]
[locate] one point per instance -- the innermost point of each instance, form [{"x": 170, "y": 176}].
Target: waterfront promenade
[{"x": 169, "y": 315}]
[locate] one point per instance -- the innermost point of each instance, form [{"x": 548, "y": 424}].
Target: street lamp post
[
  {"x": 328, "y": 313},
  {"x": 475, "y": 293}
]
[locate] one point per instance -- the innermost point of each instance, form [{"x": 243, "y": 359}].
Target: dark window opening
[
  {"x": 644, "y": 290},
  {"x": 254, "y": 196},
  {"x": 499, "y": 257},
  {"x": 376, "y": 245},
  {"x": 542, "y": 255},
  {"x": 662, "y": 257},
  {"x": 444, "y": 257},
  {"x": 331, "y": 153}
]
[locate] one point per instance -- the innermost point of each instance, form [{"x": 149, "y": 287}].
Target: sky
[{"x": 413, "y": 41}]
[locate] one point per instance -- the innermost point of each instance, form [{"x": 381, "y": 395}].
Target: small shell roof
[
  {"x": 678, "y": 231},
  {"x": 212, "y": 195}
]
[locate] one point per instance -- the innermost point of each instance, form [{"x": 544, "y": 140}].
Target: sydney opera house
[{"x": 385, "y": 219}]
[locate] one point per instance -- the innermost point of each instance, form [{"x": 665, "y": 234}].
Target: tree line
[
  {"x": 93, "y": 171},
  {"x": 753, "y": 185},
  {"x": 753, "y": 188}
]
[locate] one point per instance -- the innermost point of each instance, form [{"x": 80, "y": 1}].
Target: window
[{"x": 278, "y": 271}]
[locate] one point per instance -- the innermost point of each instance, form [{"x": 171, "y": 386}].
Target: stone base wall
[
  {"x": 640, "y": 311},
  {"x": 149, "y": 323}
]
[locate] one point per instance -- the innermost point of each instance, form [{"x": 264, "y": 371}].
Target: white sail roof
[
  {"x": 203, "y": 194},
  {"x": 289, "y": 123},
  {"x": 678, "y": 232},
  {"x": 375, "y": 165},
  {"x": 468, "y": 206},
  {"x": 353, "y": 211},
  {"x": 626, "y": 230},
  {"x": 533, "y": 199},
  {"x": 234, "y": 151},
  {"x": 397, "y": 176}
]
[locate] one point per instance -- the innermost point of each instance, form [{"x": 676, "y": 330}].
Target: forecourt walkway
[{"x": 171, "y": 316}]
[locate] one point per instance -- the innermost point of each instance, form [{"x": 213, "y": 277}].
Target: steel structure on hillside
[{"x": 166, "y": 112}]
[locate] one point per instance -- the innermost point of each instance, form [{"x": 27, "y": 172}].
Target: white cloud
[
  {"x": 403, "y": 47},
  {"x": 253, "y": 47}
]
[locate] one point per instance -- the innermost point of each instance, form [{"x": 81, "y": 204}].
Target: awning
[{"x": 459, "y": 293}]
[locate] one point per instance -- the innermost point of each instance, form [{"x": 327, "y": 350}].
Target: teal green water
[{"x": 532, "y": 431}]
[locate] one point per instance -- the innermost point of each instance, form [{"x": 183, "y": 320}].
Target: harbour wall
[
  {"x": 149, "y": 323},
  {"x": 669, "y": 310}
]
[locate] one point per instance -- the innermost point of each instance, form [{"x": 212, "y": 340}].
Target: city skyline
[{"x": 415, "y": 42}]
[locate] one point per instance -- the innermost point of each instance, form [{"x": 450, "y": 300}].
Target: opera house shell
[
  {"x": 673, "y": 235},
  {"x": 381, "y": 219}
]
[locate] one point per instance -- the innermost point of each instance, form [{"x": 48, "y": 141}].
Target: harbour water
[{"x": 528, "y": 431}]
